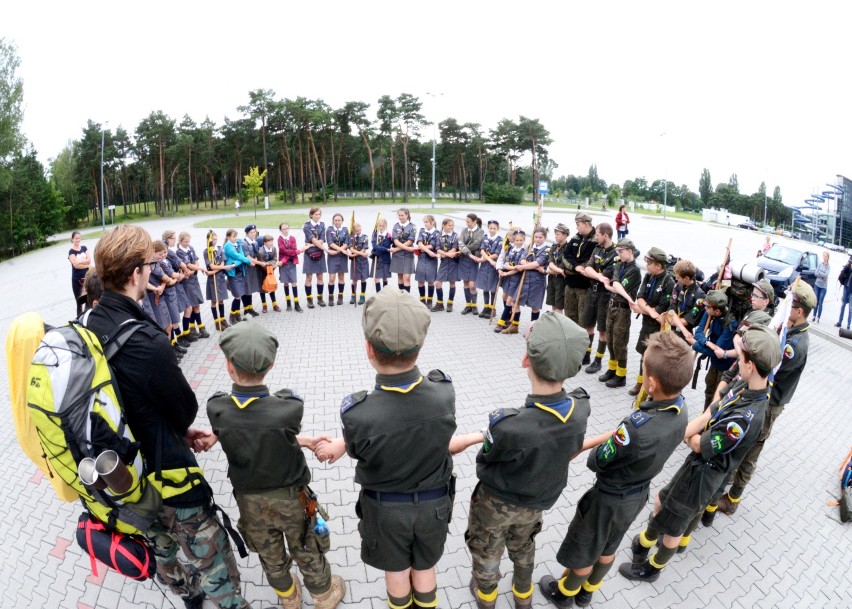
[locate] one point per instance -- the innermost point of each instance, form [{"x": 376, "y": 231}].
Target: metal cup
[
  {"x": 86, "y": 470},
  {"x": 110, "y": 468}
]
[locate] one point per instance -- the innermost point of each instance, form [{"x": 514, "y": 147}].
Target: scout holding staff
[
  {"x": 714, "y": 339},
  {"x": 652, "y": 301},
  {"x": 577, "y": 253},
  {"x": 624, "y": 465},
  {"x": 402, "y": 251},
  {"x": 719, "y": 439},
  {"x": 470, "y": 242},
  {"x": 254, "y": 277},
  {"x": 555, "y": 274},
  {"x": 510, "y": 277},
  {"x": 314, "y": 249},
  {"x": 359, "y": 253},
  {"x": 259, "y": 433},
  {"x": 268, "y": 255},
  {"x": 532, "y": 286},
  {"x": 176, "y": 294},
  {"x": 448, "y": 265},
  {"x": 486, "y": 277},
  {"x": 399, "y": 435},
  {"x": 623, "y": 288},
  {"x": 599, "y": 269},
  {"x": 217, "y": 281},
  {"x": 523, "y": 464},
  {"x": 236, "y": 268},
  {"x": 427, "y": 260},
  {"x": 381, "y": 242},
  {"x": 192, "y": 287},
  {"x": 288, "y": 258},
  {"x": 337, "y": 240}
]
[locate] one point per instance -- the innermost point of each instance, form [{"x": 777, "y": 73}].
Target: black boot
[
  {"x": 606, "y": 376},
  {"x": 549, "y": 587},
  {"x": 583, "y": 598},
  {"x": 640, "y": 552},
  {"x": 297, "y": 308},
  {"x": 587, "y": 358},
  {"x": 707, "y": 518},
  {"x": 617, "y": 381},
  {"x": 643, "y": 572},
  {"x": 594, "y": 367}
]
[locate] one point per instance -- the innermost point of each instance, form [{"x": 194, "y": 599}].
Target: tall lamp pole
[
  {"x": 103, "y": 220},
  {"x": 665, "y": 181},
  {"x": 434, "y": 139}
]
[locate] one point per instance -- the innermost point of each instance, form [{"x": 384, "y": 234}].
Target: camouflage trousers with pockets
[
  {"x": 268, "y": 519},
  {"x": 494, "y": 524},
  {"x": 209, "y": 568}
]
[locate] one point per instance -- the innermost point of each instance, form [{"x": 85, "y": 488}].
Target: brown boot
[
  {"x": 330, "y": 599},
  {"x": 510, "y": 329},
  {"x": 726, "y": 506},
  {"x": 339, "y": 298},
  {"x": 294, "y": 601},
  {"x": 636, "y": 389},
  {"x": 320, "y": 301}
]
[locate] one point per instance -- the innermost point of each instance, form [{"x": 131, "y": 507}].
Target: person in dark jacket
[
  {"x": 160, "y": 407},
  {"x": 381, "y": 244}
]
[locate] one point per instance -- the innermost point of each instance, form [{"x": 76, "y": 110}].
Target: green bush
[{"x": 502, "y": 193}]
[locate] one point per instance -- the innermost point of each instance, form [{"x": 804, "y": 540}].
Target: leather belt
[
  {"x": 615, "y": 304},
  {"x": 633, "y": 491},
  {"x": 387, "y": 497}
]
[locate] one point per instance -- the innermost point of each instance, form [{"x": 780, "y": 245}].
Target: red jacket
[{"x": 287, "y": 251}]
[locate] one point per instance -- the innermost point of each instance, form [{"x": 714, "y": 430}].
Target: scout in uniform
[
  {"x": 253, "y": 276},
  {"x": 784, "y": 383},
  {"x": 523, "y": 464},
  {"x": 399, "y": 436},
  {"x": 427, "y": 260},
  {"x": 314, "y": 263},
  {"x": 486, "y": 277},
  {"x": 599, "y": 270},
  {"x": 381, "y": 243},
  {"x": 470, "y": 242},
  {"x": 170, "y": 294},
  {"x": 239, "y": 266},
  {"x": 448, "y": 265},
  {"x": 268, "y": 254},
  {"x": 402, "y": 251},
  {"x": 192, "y": 287},
  {"x": 623, "y": 288},
  {"x": 763, "y": 297},
  {"x": 179, "y": 274},
  {"x": 157, "y": 283},
  {"x": 719, "y": 439},
  {"x": 652, "y": 301},
  {"x": 511, "y": 279},
  {"x": 686, "y": 302},
  {"x": 217, "y": 281},
  {"x": 337, "y": 238},
  {"x": 556, "y": 274},
  {"x": 359, "y": 253},
  {"x": 259, "y": 433},
  {"x": 534, "y": 265},
  {"x": 714, "y": 339},
  {"x": 288, "y": 258},
  {"x": 624, "y": 466},
  {"x": 577, "y": 253}
]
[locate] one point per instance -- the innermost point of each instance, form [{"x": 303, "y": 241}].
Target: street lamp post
[
  {"x": 103, "y": 219},
  {"x": 665, "y": 181},
  {"x": 434, "y": 139}
]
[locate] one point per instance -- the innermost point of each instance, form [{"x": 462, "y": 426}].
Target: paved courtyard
[{"x": 784, "y": 548}]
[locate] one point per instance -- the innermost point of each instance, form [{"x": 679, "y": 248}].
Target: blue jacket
[
  {"x": 721, "y": 335},
  {"x": 234, "y": 255},
  {"x": 381, "y": 249}
]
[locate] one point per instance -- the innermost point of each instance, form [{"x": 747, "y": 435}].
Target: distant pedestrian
[
  {"x": 79, "y": 258},
  {"x": 622, "y": 219},
  {"x": 821, "y": 285},
  {"x": 845, "y": 280}
]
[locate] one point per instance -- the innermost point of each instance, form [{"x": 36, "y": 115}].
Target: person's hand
[
  {"x": 635, "y": 308},
  {"x": 311, "y": 442},
  {"x": 200, "y": 439},
  {"x": 330, "y": 450}
]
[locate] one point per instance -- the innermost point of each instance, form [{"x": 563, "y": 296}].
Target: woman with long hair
[
  {"x": 78, "y": 256},
  {"x": 470, "y": 242},
  {"x": 314, "y": 250},
  {"x": 622, "y": 219}
]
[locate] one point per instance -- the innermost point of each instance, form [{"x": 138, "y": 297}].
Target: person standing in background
[
  {"x": 79, "y": 258},
  {"x": 821, "y": 285},
  {"x": 622, "y": 219}
]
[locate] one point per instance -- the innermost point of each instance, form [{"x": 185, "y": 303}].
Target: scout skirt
[
  {"x": 220, "y": 281},
  {"x": 468, "y": 269},
  {"x": 532, "y": 294},
  {"x": 359, "y": 269},
  {"x": 311, "y": 266},
  {"x": 427, "y": 268},
  {"x": 337, "y": 263},
  {"x": 237, "y": 284},
  {"x": 287, "y": 273},
  {"x": 402, "y": 263},
  {"x": 161, "y": 311},
  {"x": 192, "y": 287},
  {"x": 486, "y": 278},
  {"x": 253, "y": 278},
  {"x": 171, "y": 298},
  {"x": 383, "y": 271},
  {"x": 448, "y": 270},
  {"x": 510, "y": 285}
]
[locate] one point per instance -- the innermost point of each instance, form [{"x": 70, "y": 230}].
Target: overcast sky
[{"x": 756, "y": 88}]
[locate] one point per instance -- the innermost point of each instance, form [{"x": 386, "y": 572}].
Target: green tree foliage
[
  {"x": 613, "y": 194},
  {"x": 503, "y": 193},
  {"x": 705, "y": 188},
  {"x": 11, "y": 101},
  {"x": 63, "y": 170}
]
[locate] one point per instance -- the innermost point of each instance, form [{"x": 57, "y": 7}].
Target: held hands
[
  {"x": 328, "y": 450},
  {"x": 200, "y": 440}
]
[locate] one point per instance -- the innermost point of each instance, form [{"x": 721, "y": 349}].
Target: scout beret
[
  {"x": 757, "y": 318},
  {"x": 395, "y": 322},
  {"x": 250, "y": 228},
  {"x": 250, "y": 346},
  {"x": 717, "y": 298},
  {"x": 657, "y": 255},
  {"x": 763, "y": 347},
  {"x": 556, "y": 347},
  {"x": 562, "y": 229},
  {"x": 766, "y": 288},
  {"x": 804, "y": 294},
  {"x": 583, "y": 217},
  {"x": 627, "y": 243}
]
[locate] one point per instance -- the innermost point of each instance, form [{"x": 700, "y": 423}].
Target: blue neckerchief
[
  {"x": 561, "y": 409},
  {"x": 244, "y": 399},
  {"x": 650, "y": 291}
]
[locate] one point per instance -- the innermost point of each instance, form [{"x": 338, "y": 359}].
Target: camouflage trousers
[
  {"x": 618, "y": 332},
  {"x": 209, "y": 569},
  {"x": 268, "y": 519},
  {"x": 575, "y": 302},
  {"x": 494, "y": 524}
]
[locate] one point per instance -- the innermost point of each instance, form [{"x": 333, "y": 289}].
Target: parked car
[
  {"x": 783, "y": 264},
  {"x": 747, "y": 225}
]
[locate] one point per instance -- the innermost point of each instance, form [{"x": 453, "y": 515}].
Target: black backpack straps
[
  {"x": 226, "y": 522},
  {"x": 119, "y": 337}
]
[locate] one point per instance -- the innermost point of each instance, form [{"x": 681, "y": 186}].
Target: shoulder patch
[
  {"x": 621, "y": 435},
  {"x": 639, "y": 418},
  {"x": 789, "y": 352},
  {"x": 498, "y": 415},
  {"x": 439, "y": 376},
  {"x": 217, "y": 395},
  {"x": 287, "y": 394},
  {"x": 352, "y": 400}
]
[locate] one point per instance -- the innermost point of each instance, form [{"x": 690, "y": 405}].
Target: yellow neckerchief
[{"x": 403, "y": 388}]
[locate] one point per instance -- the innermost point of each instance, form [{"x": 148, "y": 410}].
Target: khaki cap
[
  {"x": 765, "y": 287},
  {"x": 556, "y": 347},
  {"x": 395, "y": 322},
  {"x": 627, "y": 243},
  {"x": 562, "y": 229},
  {"x": 583, "y": 217},
  {"x": 657, "y": 255},
  {"x": 250, "y": 346},
  {"x": 717, "y": 298},
  {"x": 763, "y": 346},
  {"x": 804, "y": 294}
]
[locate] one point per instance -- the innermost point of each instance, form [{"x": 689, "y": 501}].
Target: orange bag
[{"x": 270, "y": 282}]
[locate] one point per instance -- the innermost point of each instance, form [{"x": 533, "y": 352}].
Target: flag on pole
[
  {"x": 376, "y": 227},
  {"x": 352, "y": 223}
]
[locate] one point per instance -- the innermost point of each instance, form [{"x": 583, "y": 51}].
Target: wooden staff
[
  {"x": 515, "y": 305},
  {"x": 211, "y": 259},
  {"x": 699, "y": 358}
]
